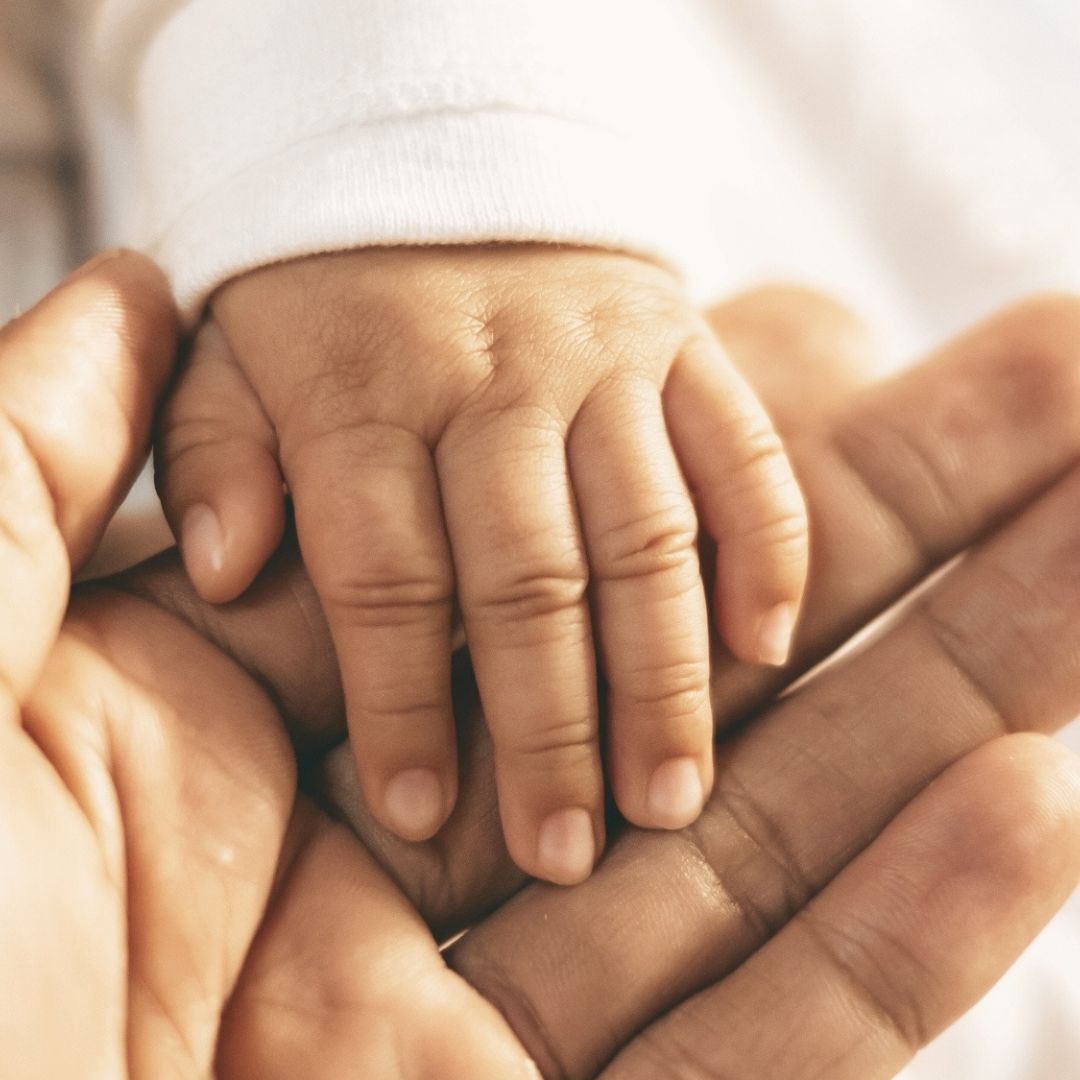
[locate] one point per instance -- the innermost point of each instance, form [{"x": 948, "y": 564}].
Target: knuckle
[
  {"x": 390, "y": 595},
  {"x": 650, "y": 544},
  {"x": 333, "y": 397},
  {"x": 546, "y": 747},
  {"x": 737, "y": 806},
  {"x": 509, "y": 420},
  {"x": 542, "y": 590},
  {"x": 784, "y": 529},
  {"x": 878, "y": 986},
  {"x": 182, "y": 437},
  {"x": 666, "y": 1057},
  {"x": 673, "y": 691},
  {"x": 397, "y": 703},
  {"x": 760, "y": 457},
  {"x": 500, "y": 984}
]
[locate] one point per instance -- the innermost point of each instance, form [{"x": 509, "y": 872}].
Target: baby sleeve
[{"x": 271, "y": 129}]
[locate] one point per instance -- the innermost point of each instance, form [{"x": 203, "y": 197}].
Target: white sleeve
[{"x": 269, "y": 129}]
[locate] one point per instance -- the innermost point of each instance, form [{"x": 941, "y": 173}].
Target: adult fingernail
[
  {"x": 202, "y": 543},
  {"x": 775, "y": 631},
  {"x": 566, "y": 846},
  {"x": 414, "y": 803},
  {"x": 676, "y": 794}
]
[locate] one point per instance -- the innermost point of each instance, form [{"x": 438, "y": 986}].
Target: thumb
[{"x": 80, "y": 375}]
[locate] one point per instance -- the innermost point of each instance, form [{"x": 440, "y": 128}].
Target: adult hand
[
  {"x": 832, "y": 911},
  {"x": 79, "y": 377},
  {"x": 327, "y": 968}
]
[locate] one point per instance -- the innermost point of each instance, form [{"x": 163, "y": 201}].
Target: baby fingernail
[
  {"x": 414, "y": 804},
  {"x": 676, "y": 794},
  {"x": 202, "y": 542},
  {"x": 775, "y": 631},
  {"x": 566, "y": 846}
]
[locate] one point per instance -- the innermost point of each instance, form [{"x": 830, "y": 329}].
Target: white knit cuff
[
  {"x": 267, "y": 130},
  {"x": 426, "y": 179}
]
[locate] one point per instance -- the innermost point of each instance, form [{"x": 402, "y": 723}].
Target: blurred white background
[{"x": 920, "y": 160}]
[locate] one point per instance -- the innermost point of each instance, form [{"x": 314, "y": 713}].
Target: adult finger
[
  {"x": 803, "y": 351},
  {"x": 904, "y": 940},
  {"x": 904, "y": 473},
  {"x": 79, "y": 378}
]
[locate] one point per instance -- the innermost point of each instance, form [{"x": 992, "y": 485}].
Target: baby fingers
[
  {"x": 522, "y": 579},
  {"x": 641, "y": 532},
  {"x": 748, "y": 500},
  {"x": 370, "y": 525},
  {"x": 216, "y": 472}
]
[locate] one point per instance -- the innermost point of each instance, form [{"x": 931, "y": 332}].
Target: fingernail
[
  {"x": 202, "y": 542},
  {"x": 566, "y": 846},
  {"x": 414, "y": 803},
  {"x": 676, "y": 794},
  {"x": 774, "y": 635}
]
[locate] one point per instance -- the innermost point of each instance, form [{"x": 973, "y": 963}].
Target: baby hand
[{"x": 530, "y": 429}]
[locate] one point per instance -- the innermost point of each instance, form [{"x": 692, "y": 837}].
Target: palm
[{"x": 184, "y": 787}]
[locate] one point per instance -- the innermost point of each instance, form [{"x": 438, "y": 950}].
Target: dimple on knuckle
[{"x": 508, "y": 415}]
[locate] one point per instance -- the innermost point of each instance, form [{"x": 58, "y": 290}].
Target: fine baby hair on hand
[{"x": 538, "y": 431}]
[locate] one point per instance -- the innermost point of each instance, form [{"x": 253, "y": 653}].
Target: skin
[
  {"x": 875, "y": 854},
  {"x": 536, "y": 432}
]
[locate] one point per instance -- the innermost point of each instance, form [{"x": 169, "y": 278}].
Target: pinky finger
[
  {"x": 217, "y": 474},
  {"x": 748, "y": 500}
]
